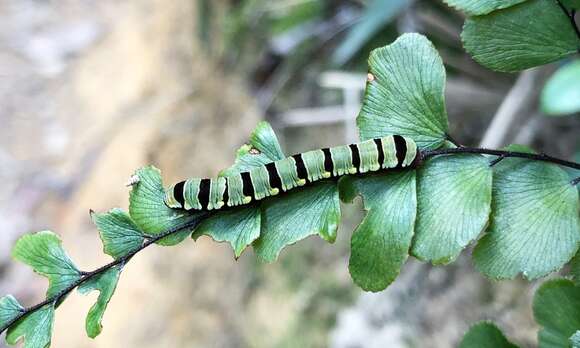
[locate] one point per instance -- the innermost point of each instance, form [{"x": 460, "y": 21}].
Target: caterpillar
[{"x": 393, "y": 151}]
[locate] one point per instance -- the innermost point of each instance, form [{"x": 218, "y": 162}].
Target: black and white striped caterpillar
[{"x": 393, "y": 151}]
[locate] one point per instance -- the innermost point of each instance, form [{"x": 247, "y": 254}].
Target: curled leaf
[
  {"x": 120, "y": 235},
  {"x": 239, "y": 226},
  {"x": 311, "y": 210},
  {"x": 44, "y": 253},
  {"x": 149, "y": 212},
  {"x": 9, "y": 310},
  {"x": 35, "y": 328},
  {"x": 105, "y": 283},
  {"x": 380, "y": 244}
]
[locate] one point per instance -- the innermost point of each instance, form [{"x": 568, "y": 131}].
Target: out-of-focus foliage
[
  {"x": 561, "y": 95},
  {"x": 485, "y": 335},
  {"x": 556, "y": 310},
  {"x": 375, "y": 17}
]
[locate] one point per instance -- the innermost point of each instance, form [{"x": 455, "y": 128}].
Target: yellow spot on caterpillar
[
  {"x": 301, "y": 182},
  {"x": 352, "y": 170},
  {"x": 134, "y": 179},
  {"x": 326, "y": 175},
  {"x": 247, "y": 199},
  {"x": 370, "y": 77},
  {"x": 219, "y": 204},
  {"x": 274, "y": 191}
]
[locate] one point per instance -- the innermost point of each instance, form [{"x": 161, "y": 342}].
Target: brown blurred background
[{"x": 92, "y": 90}]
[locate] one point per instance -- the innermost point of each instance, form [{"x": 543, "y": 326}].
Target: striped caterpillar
[{"x": 393, "y": 151}]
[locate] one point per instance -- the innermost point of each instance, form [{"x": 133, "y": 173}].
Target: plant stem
[
  {"x": 191, "y": 224},
  {"x": 502, "y": 154},
  {"x": 571, "y": 15},
  {"x": 88, "y": 275}
]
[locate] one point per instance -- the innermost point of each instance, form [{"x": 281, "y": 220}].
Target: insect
[{"x": 393, "y": 151}]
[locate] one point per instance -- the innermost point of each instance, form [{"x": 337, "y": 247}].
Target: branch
[
  {"x": 88, "y": 275},
  {"x": 502, "y": 154},
  {"x": 571, "y": 15}
]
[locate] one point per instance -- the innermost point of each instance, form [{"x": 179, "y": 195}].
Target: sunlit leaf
[
  {"x": 561, "y": 94},
  {"x": 454, "y": 198},
  {"x": 380, "y": 244},
  {"x": 481, "y": 7},
  {"x": 105, "y": 283},
  {"x": 120, "y": 235},
  {"x": 485, "y": 335},
  {"x": 557, "y": 310},
  {"x": 149, "y": 212},
  {"x": 523, "y": 36},
  {"x": 311, "y": 210},
  {"x": 534, "y": 226},
  {"x": 404, "y": 94},
  {"x": 44, "y": 253},
  {"x": 9, "y": 310},
  {"x": 35, "y": 328}
]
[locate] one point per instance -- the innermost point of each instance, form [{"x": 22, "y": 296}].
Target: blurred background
[{"x": 92, "y": 90}]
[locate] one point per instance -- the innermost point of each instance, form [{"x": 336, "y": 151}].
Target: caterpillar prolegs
[{"x": 393, "y": 151}]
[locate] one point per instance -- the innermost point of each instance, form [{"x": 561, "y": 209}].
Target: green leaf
[
  {"x": 561, "y": 94},
  {"x": 533, "y": 33},
  {"x": 238, "y": 226},
  {"x": 405, "y": 94},
  {"x": 575, "y": 340},
  {"x": 485, "y": 335},
  {"x": 571, "y": 4},
  {"x": 310, "y": 210},
  {"x": 35, "y": 328},
  {"x": 241, "y": 226},
  {"x": 534, "y": 223},
  {"x": 105, "y": 283},
  {"x": 120, "y": 235},
  {"x": 380, "y": 244},
  {"x": 9, "y": 310},
  {"x": 149, "y": 212},
  {"x": 44, "y": 253},
  {"x": 481, "y": 7},
  {"x": 376, "y": 15},
  {"x": 263, "y": 148},
  {"x": 557, "y": 310},
  {"x": 454, "y": 199},
  {"x": 575, "y": 268}
]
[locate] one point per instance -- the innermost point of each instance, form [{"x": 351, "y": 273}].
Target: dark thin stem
[
  {"x": 496, "y": 161},
  {"x": 502, "y": 154},
  {"x": 88, "y": 275},
  {"x": 571, "y": 16},
  {"x": 575, "y": 181},
  {"x": 452, "y": 140}
]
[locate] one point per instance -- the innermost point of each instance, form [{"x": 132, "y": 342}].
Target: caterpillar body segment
[{"x": 393, "y": 151}]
